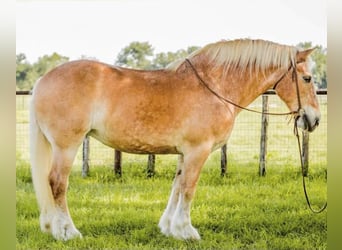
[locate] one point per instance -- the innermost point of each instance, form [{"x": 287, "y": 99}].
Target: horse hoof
[
  {"x": 65, "y": 233},
  {"x": 64, "y": 229},
  {"x": 187, "y": 232},
  {"x": 164, "y": 225}
]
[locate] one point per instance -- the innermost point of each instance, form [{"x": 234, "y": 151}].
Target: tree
[
  {"x": 27, "y": 74},
  {"x": 22, "y": 72},
  {"x": 161, "y": 60},
  {"x": 136, "y": 55},
  {"x": 319, "y": 57},
  {"x": 139, "y": 55},
  {"x": 46, "y": 63}
]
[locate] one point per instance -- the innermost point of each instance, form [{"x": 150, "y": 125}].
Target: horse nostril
[{"x": 317, "y": 122}]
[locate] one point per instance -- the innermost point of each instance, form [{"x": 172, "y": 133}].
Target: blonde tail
[{"x": 41, "y": 160}]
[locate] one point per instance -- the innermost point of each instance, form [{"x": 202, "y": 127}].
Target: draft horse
[{"x": 164, "y": 111}]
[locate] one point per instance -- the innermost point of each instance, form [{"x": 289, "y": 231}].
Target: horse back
[{"x": 131, "y": 110}]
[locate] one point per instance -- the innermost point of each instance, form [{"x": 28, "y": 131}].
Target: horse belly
[
  {"x": 136, "y": 144},
  {"x": 130, "y": 132}
]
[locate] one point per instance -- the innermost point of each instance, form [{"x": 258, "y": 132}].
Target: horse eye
[{"x": 307, "y": 79}]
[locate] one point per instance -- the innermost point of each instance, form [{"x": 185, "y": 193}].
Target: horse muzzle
[{"x": 308, "y": 119}]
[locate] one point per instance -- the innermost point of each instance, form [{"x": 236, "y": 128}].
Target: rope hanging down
[{"x": 303, "y": 176}]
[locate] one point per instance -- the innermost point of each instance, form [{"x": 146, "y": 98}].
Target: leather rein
[{"x": 297, "y": 114}]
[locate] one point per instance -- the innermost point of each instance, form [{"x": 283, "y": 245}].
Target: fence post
[
  {"x": 263, "y": 137},
  {"x": 305, "y": 152},
  {"x": 224, "y": 160},
  {"x": 117, "y": 162},
  {"x": 151, "y": 165},
  {"x": 85, "y": 157}
]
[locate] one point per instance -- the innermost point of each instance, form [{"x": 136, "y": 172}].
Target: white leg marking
[
  {"x": 165, "y": 220},
  {"x": 181, "y": 227},
  {"x": 45, "y": 219},
  {"x": 62, "y": 226}
]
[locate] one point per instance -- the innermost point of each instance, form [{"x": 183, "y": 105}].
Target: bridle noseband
[{"x": 297, "y": 114}]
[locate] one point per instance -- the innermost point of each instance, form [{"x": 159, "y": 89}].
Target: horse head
[{"x": 297, "y": 90}]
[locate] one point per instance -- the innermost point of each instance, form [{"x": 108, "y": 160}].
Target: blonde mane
[{"x": 243, "y": 54}]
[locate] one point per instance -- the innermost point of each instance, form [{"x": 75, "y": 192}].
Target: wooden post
[
  {"x": 263, "y": 137},
  {"x": 85, "y": 157},
  {"x": 224, "y": 160},
  {"x": 151, "y": 165},
  {"x": 305, "y": 152},
  {"x": 117, "y": 163}
]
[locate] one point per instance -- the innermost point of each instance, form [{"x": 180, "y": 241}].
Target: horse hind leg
[
  {"x": 62, "y": 226},
  {"x": 50, "y": 167}
]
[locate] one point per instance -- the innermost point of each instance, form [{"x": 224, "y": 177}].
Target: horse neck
[{"x": 239, "y": 87}]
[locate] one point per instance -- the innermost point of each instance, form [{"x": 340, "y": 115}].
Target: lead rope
[
  {"x": 297, "y": 114},
  {"x": 300, "y": 113},
  {"x": 303, "y": 173}
]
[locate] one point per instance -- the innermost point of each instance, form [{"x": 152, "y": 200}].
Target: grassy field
[{"x": 238, "y": 211}]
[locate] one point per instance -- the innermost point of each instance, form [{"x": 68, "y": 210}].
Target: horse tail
[{"x": 41, "y": 161}]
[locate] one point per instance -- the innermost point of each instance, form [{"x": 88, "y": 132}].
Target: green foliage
[
  {"x": 135, "y": 55},
  {"x": 140, "y": 55},
  {"x": 46, "y": 63},
  {"x": 24, "y": 73},
  {"x": 319, "y": 57},
  {"x": 161, "y": 60},
  {"x": 27, "y": 74}
]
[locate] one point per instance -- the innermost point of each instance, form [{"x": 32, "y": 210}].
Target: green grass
[{"x": 239, "y": 211}]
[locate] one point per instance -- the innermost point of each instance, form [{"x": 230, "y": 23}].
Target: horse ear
[{"x": 302, "y": 55}]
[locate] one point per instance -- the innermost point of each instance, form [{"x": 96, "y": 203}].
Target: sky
[{"x": 100, "y": 29}]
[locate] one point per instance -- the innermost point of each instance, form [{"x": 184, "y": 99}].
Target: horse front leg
[
  {"x": 165, "y": 220},
  {"x": 181, "y": 227}
]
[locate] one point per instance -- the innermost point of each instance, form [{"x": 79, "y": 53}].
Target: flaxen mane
[{"x": 242, "y": 53}]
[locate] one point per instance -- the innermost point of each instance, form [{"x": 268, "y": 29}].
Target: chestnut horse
[{"x": 164, "y": 111}]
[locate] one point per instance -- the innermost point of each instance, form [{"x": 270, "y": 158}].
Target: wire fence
[{"x": 243, "y": 147}]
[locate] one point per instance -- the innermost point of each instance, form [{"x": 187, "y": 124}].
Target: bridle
[
  {"x": 300, "y": 112},
  {"x": 225, "y": 100}
]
